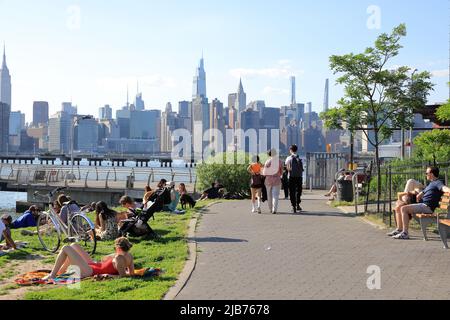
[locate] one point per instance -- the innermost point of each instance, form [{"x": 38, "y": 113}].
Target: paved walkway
[{"x": 320, "y": 254}]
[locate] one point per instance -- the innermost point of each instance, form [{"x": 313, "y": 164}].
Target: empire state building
[{"x": 5, "y": 82}]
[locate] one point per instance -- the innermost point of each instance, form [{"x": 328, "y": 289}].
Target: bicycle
[{"x": 50, "y": 227}]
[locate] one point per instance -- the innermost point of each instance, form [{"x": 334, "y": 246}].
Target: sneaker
[
  {"x": 402, "y": 236},
  {"x": 394, "y": 233},
  {"x": 253, "y": 210},
  {"x": 259, "y": 210},
  {"x": 294, "y": 210},
  {"x": 274, "y": 212},
  {"x": 299, "y": 208}
]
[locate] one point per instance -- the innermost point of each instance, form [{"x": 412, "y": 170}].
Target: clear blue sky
[{"x": 55, "y": 56}]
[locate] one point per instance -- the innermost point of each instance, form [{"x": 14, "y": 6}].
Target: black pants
[
  {"x": 295, "y": 191},
  {"x": 285, "y": 188}
]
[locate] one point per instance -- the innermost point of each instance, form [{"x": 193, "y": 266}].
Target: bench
[
  {"x": 426, "y": 220},
  {"x": 444, "y": 224}
]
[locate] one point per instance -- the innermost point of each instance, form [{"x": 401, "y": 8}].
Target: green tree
[
  {"x": 433, "y": 146},
  {"x": 377, "y": 97},
  {"x": 443, "y": 113}
]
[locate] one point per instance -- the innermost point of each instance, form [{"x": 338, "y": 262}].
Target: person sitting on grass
[
  {"x": 185, "y": 197},
  {"x": 27, "y": 220},
  {"x": 106, "y": 226},
  {"x": 67, "y": 207},
  {"x": 89, "y": 207},
  {"x": 174, "y": 198},
  {"x": 56, "y": 207},
  {"x": 5, "y": 233},
  {"x": 427, "y": 202},
  {"x": 211, "y": 193},
  {"x": 118, "y": 264},
  {"x": 128, "y": 204}
]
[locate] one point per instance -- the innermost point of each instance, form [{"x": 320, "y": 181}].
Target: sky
[{"x": 90, "y": 51}]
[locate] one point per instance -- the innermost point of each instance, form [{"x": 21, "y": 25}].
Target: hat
[{"x": 170, "y": 184}]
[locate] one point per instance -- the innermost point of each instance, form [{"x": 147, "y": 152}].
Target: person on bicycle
[{"x": 118, "y": 264}]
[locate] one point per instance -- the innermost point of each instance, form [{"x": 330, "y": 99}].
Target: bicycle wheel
[
  {"x": 82, "y": 232},
  {"x": 48, "y": 233}
]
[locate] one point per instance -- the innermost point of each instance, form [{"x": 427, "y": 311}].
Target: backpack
[{"x": 296, "y": 167}]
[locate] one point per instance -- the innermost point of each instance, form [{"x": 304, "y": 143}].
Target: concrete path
[{"x": 320, "y": 254}]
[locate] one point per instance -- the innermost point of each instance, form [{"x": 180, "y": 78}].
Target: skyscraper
[
  {"x": 16, "y": 123},
  {"x": 59, "y": 132},
  {"x": 139, "y": 103},
  {"x": 68, "y": 108},
  {"x": 5, "y": 111},
  {"x": 184, "y": 109},
  {"x": 5, "y": 82},
  {"x": 241, "y": 98},
  {"x": 86, "y": 135},
  {"x": 326, "y": 96},
  {"x": 199, "y": 85},
  {"x": 293, "y": 100},
  {"x": 232, "y": 100},
  {"x": 40, "y": 113},
  {"x": 217, "y": 124},
  {"x": 105, "y": 113}
]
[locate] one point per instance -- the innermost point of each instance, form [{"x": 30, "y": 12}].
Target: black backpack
[{"x": 296, "y": 167}]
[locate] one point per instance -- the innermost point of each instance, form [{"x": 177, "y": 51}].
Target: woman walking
[
  {"x": 257, "y": 183},
  {"x": 273, "y": 170}
]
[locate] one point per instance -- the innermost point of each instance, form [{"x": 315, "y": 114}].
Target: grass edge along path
[{"x": 169, "y": 253}]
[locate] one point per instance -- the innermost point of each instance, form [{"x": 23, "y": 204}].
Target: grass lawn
[{"x": 168, "y": 253}]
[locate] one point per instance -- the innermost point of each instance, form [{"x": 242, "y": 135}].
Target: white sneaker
[{"x": 253, "y": 210}]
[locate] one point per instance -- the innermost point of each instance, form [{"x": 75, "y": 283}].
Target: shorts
[{"x": 420, "y": 208}]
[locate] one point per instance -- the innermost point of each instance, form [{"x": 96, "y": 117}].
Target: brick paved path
[{"x": 320, "y": 254}]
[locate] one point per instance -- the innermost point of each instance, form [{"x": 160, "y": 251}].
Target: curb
[{"x": 191, "y": 261}]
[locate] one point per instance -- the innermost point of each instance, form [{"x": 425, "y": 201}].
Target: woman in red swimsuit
[{"x": 118, "y": 264}]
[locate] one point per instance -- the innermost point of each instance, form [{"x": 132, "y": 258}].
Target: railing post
[
  {"x": 1, "y": 168},
  {"x": 173, "y": 174},
  {"x": 86, "y": 179},
  {"x": 153, "y": 175},
  {"x": 79, "y": 173},
  {"x": 190, "y": 175},
  {"x": 96, "y": 172},
  {"x": 107, "y": 178},
  {"x": 115, "y": 173},
  {"x": 47, "y": 173}
]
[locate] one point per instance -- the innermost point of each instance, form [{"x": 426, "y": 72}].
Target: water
[{"x": 8, "y": 200}]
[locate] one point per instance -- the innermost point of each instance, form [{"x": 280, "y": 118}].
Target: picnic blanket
[{"x": 36, "y": 277}]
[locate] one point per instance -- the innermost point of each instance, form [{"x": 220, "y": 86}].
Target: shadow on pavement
[{"x": 217, "y": 239}]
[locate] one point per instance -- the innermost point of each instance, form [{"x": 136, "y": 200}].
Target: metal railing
[{"x": 92, "y": 177}]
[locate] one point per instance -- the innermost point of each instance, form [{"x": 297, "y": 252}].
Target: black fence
[
  {"x": 393, "y": 181},
  {"x": 321, "y": 169}
]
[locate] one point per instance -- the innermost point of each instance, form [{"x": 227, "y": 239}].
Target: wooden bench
[
  {"x": 425, "y": 219},
  {"x": 444, "y": 224}
]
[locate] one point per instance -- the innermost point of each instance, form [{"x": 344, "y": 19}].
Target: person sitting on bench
[{"x": 428, "y": 201}]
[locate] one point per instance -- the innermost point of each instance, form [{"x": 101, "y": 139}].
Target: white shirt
[{"x": 2, "y": 228}]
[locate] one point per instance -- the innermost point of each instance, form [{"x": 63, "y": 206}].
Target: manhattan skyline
[{"x": 88, "y": 54}]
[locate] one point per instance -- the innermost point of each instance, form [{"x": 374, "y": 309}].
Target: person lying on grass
[{"x": 118, "y": 264}]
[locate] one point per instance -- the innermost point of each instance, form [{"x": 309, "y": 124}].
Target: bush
[{"x": 234, "y": 176}]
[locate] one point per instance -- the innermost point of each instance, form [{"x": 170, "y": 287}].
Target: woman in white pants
[{"x": 273, "y": 170}]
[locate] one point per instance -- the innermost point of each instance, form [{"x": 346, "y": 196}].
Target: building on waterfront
[
  {"x": 40, "y": 135},
  {"x": 16, "y": 123},
  {"x": 326, "y": 99},
  {"x": 86, "y": 135},
  {"x": 123, "y": 117},
  {"x": 105, "y": 113},
  {"x": 70, "y": 109},
  {"x": 199, "y": 83},
  {"x": 144, "y": 124},
  {"x": 5, "y": 111},
  {"x": 59, "y": 133},
  {"x": 132, "y": 146},
  {"x": 241, "y": 98},
  {"x": 259, "y": 106},
  {"x": 40, "y": 113},
  {"x": 168, "y": 125},
  {"x": 5, "y": 82}
]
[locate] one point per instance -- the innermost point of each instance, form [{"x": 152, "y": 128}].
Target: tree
[
  {"x": 377, "y": 98},
  {"x": 443, "y": 113},
  {"x": 433, "y": 145}
]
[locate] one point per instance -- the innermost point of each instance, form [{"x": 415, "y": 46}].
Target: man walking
[{"x": 294, "y": 167}]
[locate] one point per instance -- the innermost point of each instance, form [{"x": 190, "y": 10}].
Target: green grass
[{"x": 168, "y": 253}]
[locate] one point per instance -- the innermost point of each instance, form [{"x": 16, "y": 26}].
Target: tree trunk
[{"x": 377, "y": 160}]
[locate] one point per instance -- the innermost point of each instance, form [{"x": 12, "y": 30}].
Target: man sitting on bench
[{"x": 428, "y": 201}]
